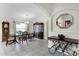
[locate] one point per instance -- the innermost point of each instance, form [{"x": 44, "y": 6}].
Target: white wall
[
  {"x": 0, "y": 29},
  {"x": 58, "y": 9},
  {"x": 40, "y": 20}
]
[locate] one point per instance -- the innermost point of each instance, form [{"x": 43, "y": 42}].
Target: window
[{"x": 21, "y": 27}]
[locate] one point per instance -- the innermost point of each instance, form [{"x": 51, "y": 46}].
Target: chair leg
[
  {"x": 19, "y": 40},
  {"x": 76, "y": 45},
  {"x": 26, "y": 40},
  {"x": 22, "y": 41},
  {"x": 6, "y": 42}
]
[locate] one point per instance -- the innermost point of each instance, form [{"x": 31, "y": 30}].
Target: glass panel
[
  {"x": 21, "y": 27},
  {"x": 64, "y": 20}
]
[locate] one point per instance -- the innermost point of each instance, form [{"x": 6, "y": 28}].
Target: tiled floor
[{"x": 31, "y": 48}]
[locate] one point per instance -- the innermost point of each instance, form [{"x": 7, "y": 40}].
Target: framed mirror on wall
[{"x": 64, "y": 20}]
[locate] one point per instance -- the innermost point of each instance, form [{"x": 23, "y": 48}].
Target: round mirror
[{"x": 64, "y": 20}]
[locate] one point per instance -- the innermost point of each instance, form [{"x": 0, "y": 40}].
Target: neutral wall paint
[
  {"x": 40, "y": 14},
  {"x": 0, "y": 29},
  {"x": 58, "y": 9},
  {"x": 40, "y": 20}
]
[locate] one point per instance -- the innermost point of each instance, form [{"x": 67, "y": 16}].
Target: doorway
[{"x": 38, "y": 29}]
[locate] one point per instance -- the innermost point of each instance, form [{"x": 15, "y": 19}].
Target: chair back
[{"x": 24, "y": 35}]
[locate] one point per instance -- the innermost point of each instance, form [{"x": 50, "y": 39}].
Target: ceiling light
[{"x": 27, "y": 22}]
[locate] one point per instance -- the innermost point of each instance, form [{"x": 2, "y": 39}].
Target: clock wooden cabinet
[{"x": 5, "y": 31}]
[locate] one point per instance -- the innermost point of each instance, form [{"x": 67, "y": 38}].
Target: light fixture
[{"x": 27, "y": 22}]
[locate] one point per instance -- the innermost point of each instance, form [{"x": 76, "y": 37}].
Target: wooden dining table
[
  {"x": 17, "y": 38},
  {"x": 14, "y": 40}
]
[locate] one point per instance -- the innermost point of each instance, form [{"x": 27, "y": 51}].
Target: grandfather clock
[{"x": 5, "y": 31}]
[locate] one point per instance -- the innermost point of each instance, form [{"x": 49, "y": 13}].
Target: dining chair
[
  {"x": 24, "y": 36},
  {"x": 31, "y": 36}
]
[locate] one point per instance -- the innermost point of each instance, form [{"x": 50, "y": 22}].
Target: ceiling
[
  {"x": 47, "y": 6},
  {"x": 30, "y": 11},
  {"x": 24, "y": 11}
]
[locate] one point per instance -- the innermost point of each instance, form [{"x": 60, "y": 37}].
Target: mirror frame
[{"x": 64, "y": 27}]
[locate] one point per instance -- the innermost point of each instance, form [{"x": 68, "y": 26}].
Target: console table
[{"x": 64, "y": 44}]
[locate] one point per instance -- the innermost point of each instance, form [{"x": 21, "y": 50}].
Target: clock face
[{"x": 5, "y": 25}]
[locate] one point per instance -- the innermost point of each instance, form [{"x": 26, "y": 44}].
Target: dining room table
[
  {"x": 14, "y": 40},
  {"x": 17, "y": 38}
]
